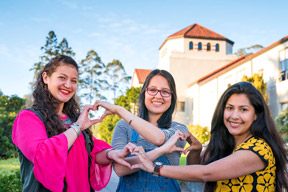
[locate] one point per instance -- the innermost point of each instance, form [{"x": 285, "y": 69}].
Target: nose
[
  {"x": 235, "y": 114},
  {"x": 158, "y": 94},
  {"x": 67, "y": 84}
]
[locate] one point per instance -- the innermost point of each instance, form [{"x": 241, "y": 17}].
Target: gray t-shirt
[{"x": 123, "y": 132}]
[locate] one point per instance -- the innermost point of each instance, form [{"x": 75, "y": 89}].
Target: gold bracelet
[{"x": 133, "y": 116}]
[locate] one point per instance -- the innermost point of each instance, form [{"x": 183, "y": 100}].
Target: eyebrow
[{"x": 240, "y": 105}]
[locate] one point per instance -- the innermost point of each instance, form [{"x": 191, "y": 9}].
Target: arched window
[
  {"x": 217, "y": 48},
  {"x": 208, "y": 47},
  {"x": 199, "y": 46},
  {"x": 190, "y": 45}
]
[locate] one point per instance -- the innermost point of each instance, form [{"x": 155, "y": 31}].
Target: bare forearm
[
  {"x": 147, "y": 130},
  {"x": 71, "y": 136},
  {"x": 101, "y": 158},
  {"x": 193, "y": 158}
]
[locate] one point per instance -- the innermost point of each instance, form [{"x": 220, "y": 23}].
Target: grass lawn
[
  {"x": 182, "y": 160},
  {"x": 8, "y": 165}
]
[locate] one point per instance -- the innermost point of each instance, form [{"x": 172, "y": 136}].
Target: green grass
[
  {"x": 10, "y": 175},
  {"x": 8, "y": 165},
  {"x": 182, "y": 160}
]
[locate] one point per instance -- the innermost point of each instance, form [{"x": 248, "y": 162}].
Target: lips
[
  {"x": 234, "y": 124},
  {"x": 64, "y": 92}
]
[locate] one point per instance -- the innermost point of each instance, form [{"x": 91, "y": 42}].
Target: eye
[
  {"x": 153, "y": 90},
  {"x": 229, "y": 108},
  {"x": 74, "y": 81},
  {"x": 61, "y": 77},
  {"x": 244, "y": 109}
]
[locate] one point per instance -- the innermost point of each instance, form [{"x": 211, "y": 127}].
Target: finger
[
  {"x": 123, "y": 162},
  {"x": 137, "y": 166},
  {"x": 94, "y": 121}
]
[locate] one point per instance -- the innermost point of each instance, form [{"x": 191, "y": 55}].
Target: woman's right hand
[{"x": 83, "y": 120}]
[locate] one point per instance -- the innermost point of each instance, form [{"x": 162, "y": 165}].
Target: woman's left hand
[
  {"x": 119, "y": 155},
  {"x": 145, "y": 163},
  {"x": 110, "y": 109}
]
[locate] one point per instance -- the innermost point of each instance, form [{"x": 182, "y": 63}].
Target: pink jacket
[{"x": 51, "y": 159}]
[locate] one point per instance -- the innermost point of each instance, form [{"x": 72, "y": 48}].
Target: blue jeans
[{"x": 141, "y": 181}]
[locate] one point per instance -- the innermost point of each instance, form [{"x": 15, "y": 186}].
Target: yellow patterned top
[{"x": 263, "y": 180}]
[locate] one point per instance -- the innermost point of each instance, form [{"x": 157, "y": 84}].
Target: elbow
[{"x": 159, "y": 141}]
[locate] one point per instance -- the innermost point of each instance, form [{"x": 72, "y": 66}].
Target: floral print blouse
[{"x": 263, "y": 180}]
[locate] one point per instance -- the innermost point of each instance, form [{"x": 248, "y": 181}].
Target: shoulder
[
  {"x": 27, "y": 115},
  {"x": 258, "y": 146},
  {"x": 179, "y": 126}
]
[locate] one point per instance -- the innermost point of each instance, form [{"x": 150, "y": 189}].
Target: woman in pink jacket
[{"x": 50, "y": 136}]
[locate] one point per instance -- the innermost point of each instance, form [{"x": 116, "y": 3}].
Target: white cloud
[
  {"x": 4, "y": 51},
  {"x": 40, "y": 20},
  {"x": 69, "y": 4},
  {"x": 95, "y": 34}
]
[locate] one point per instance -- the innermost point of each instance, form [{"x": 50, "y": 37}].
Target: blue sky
[{"x": 129, "y": 30}]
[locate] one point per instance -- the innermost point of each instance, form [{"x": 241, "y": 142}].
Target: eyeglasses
[{"x": 154, "y": 92}]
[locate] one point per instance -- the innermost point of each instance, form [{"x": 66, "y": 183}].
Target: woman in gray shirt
[{"x": 151, "y": 128}]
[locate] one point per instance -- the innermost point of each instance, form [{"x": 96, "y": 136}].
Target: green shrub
[
  {"x": 10, "y": 175},
  {"x": 282, "y": 124}
]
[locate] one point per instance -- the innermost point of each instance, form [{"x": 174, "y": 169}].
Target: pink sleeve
[
  {"x": 49, "y": 155},
  {"x": 99, "y": 174}
]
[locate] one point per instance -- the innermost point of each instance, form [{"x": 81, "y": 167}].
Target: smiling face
[
  {"x": 239, "y": 115},
  {"x": 157, "y": 105},
  {"x": 62, "y": 83}
]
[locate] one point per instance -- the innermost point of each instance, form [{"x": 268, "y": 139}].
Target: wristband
[
  {"x": 76, "y": 128},
  {"x": 107, "y": 151},
  {"x": 133, "y": 116}
]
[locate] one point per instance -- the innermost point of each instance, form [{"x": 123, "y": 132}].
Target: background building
[{"x": 203, "y": 66}]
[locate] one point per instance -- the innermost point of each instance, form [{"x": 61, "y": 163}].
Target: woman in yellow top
[{"x": 245, "y": 152}]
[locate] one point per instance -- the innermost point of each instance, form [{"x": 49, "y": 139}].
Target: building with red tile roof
[{"x": 139, "y": 76}]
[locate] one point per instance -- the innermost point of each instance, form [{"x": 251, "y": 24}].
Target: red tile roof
[
  {"x": 197, "y": 31},
  {"x": 142, "y": 74},
  {"x": 236, "y": 63}
]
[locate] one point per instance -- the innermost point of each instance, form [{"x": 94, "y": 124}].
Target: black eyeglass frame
[{"x": 158, "y": 90}]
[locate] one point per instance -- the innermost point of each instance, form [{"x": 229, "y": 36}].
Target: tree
[
  {"x": 129, "y": 102},
  {"x": 91, "y": 77},
  {"x": 116, "y": 77},
  {"x": 258, "y": 82},
  {"x": 281, "y": 122},
  {"x": 249, "y": 50},
  {"x": 9, "y": 108},
  {"x": 51, "y": 49}
]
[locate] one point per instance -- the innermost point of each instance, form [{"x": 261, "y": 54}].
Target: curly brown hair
[{"x": 49, "y": 105}]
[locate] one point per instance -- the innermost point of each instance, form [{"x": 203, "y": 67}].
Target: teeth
[
  {"x": 157, "y": 102},
  {"x": 64, "y": 91},
  {"x": 233, "y": 123}
]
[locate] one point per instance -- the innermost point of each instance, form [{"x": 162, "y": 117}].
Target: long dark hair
[
  {"x": 166, "y": 118},
  {"x": 49, "y": 105},
  {"x": 222, "y": 142}
]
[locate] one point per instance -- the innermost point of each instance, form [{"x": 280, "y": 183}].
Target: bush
[
  {"x": 282, "y": 124},
  {"x": 201, "y": 133},
  {"x": 10, "y": 175}
]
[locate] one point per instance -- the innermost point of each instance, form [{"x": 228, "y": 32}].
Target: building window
[
  {"x": 208, "y": 47},
  {"x": 199, "y": 46},
  {"x": 283, "y": 65},
  {"x": 284, "y": 106},
  {"x": 190, "y": 45},
  {"x": 181, "y": 106},
  {"x": 217, "y": 48}
]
